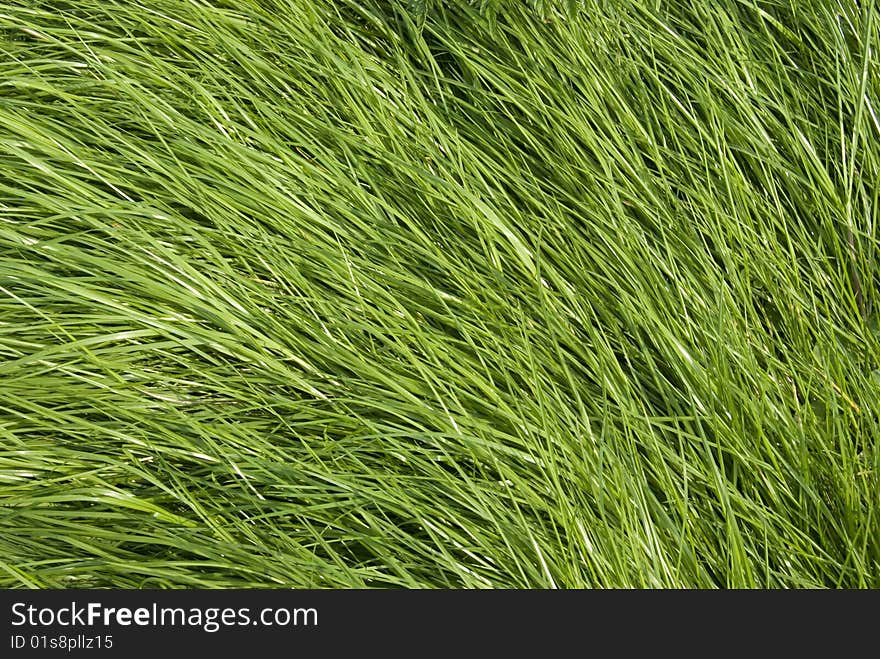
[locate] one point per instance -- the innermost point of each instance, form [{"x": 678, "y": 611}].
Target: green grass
[{"x": 352, "y": 293}]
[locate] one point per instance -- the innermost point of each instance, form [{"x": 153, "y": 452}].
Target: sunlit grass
[{"x": 328, "y": 293}]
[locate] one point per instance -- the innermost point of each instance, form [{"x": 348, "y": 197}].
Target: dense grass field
[{"x": 359, "y": 293}]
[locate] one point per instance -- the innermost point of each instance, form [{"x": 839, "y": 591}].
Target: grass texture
[{"x": 350, "y": 293}]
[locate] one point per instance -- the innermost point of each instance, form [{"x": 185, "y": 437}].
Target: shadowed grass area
[{"x": 350, "y": 293}]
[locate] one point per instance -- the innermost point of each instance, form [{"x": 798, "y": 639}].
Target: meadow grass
[{"x": 358, "y": 293}]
